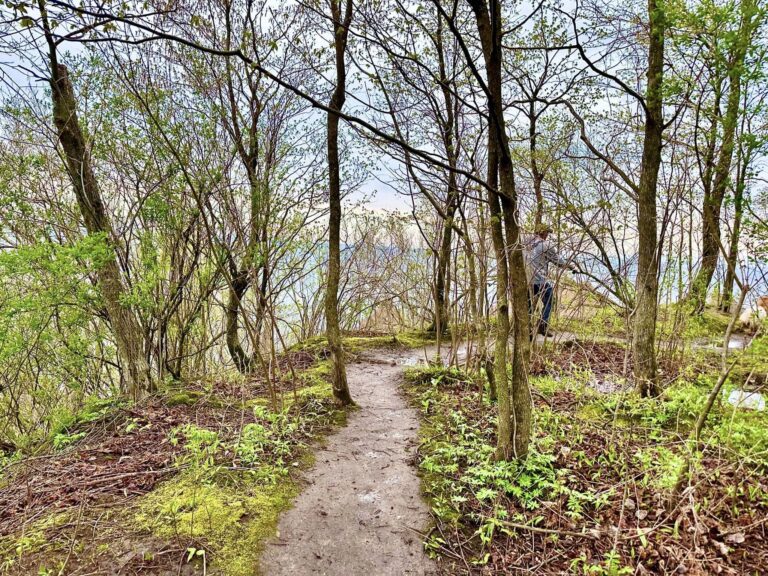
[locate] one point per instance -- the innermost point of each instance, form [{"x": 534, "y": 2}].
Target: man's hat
[{"x": 543, "y": 229}]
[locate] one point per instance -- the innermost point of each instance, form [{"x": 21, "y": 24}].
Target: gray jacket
[{"x": 540, "y": 255}]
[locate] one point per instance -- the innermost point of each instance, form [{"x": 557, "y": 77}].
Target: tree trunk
[
  {"x": 447, "y": 127},
  {"x": 538, "y": 177},
  {"x": 442, "y": 286},
  {"x": 713, "y": 202},
  {"x": 125, "y": 326},
  {"x": 341, "y": 30},
  {"x": 744, "y": 155},
  {"x": 512, "y": 286},
  {"x": 239, "y": 285},
  {"x": 500, "y": 380},
  {"x": 647, "y": 281}
]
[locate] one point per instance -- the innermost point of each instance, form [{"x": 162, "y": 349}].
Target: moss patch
[
  {"x": 415, "y": 338},
  {"x": 230, "y": 515},
  {"x": 356, "y": 344},
  {"x": 184, "y": 398},
  {"x": 31, "y": 540}
]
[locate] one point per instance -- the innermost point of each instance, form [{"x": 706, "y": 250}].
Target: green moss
[
  {"x": 356, "y": 344},
  {"x": 415, "y": 338},
  {"x": 317, "y": 375},
  {"x": 593, "y": 412},
  {"x": 233, "y": 515},
  {"x": 710, "y": 324},
  {"x": 184, "y": 398},
  {"x": 32, "y": 539},
  {"x": 753, "y": 365}
]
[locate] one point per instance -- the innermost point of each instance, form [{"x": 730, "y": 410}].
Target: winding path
[{"x": 361, "y": 510}]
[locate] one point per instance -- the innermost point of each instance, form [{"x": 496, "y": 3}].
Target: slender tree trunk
[
  {"x": 341, "y": 31},
  {"x": 512, "y": 286},
  {"x": 647, "y": 281},
  {"x": 500, "y": 381},
  {"x": 713, "y": 203},
  {"x": 442, "y": 281},
  {"x": 125, "y": 326},
  {"x": 447, "y": 127},
  {"x": 522, "y": 403},
  {"x": 744, "y": 157},
  {"x": 239, "y": 285},
  {"x": 538, "y": 177}
]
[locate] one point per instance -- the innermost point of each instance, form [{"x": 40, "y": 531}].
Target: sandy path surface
[{"x": 358, "y": 513}]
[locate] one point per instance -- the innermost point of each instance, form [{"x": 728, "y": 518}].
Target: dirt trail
[{"x": 358, "y": 513}]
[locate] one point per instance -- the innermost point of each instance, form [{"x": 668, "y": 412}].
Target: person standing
[{"x": 540, "y": 255}]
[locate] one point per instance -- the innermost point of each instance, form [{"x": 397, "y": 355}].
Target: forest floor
[
  {"x": 194, "y": 480},
  {"x": 228, "y": 478},
  {"x": 597, "y": 493},
  {"x": 361, "y": 511}
]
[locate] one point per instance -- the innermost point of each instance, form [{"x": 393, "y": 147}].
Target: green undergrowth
[
  {"x": 227, "y": 514},
  {"x": 32, "y": 539},
  {"x": 67, "y": 427},
  {"x": 357, "y": 344},
  {"x": 223, "y": 502},
  {"x": 601, "y": 321},
  {"x": 590, "y": 452},
  {"x": 752, "y": 368},
  {"x": 228, "y": 498}
]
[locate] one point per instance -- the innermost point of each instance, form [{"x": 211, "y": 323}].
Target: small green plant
[
  {"x": 193, "y": 553},
  {"x": 609, "y": 566},
  {"x": 62, "y": 439},
  {"x": 272, "y": 434},
  {"x": 200, "y": 444}
]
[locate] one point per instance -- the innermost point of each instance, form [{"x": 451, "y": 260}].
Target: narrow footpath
[{"x": 361, "y": 510}]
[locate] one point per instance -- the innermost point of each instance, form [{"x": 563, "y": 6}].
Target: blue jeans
[{"x": 542, "y": 291}]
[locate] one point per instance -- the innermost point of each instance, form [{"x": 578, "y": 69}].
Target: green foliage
[
  {"x": 271, "y": 437},
  {"x": 33, "y": 538},
  {"x": 200, "y": 444},
  {"x": 661, "y": 467},
  {"x": 63, "y": 440},
  {"x": 744, "y": 433},
  {"x": 459, "y": 471},
  {"x": 66, "y": 425},
  {"x": 609, "y": 566},
  {"x": 49, "y": 334},
  {"x": 676, "y": 410},
  {"x": 605, "y": 321},
  {"x": 708, "y": 324}
]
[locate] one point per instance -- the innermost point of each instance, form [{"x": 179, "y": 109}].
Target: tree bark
[
  {"x": 537, "y": 176},
  {"x": 647, "y": 281},
  {"x": 713, "y": 201},
  {"x": 239, "y": 285},
  {"x": 744, "y": 155},
  {"x": 447, "y": 127},
  {"x": 511, "y": 284},
  {"x": 125, "y": 326},
  {"x": 333, "y": 331}
]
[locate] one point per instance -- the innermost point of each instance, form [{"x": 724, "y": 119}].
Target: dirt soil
[{"x": 361, "y": 511}]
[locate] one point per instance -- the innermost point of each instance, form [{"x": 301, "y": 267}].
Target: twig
[{"x": 530, "y": 528}]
